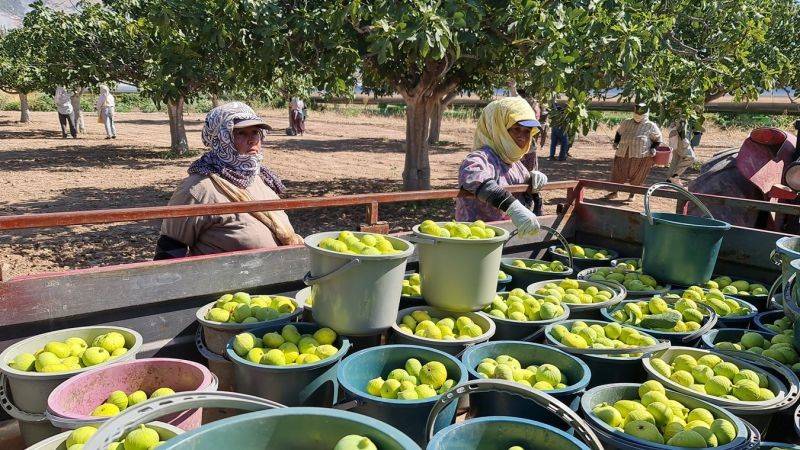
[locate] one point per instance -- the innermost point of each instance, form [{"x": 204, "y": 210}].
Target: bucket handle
[
  {"x": 561, "y": 239},
  {"x": 201, "y": 347},
  {"x": 415, "y": 239},
  {"x": 754, "y": 441},
  {"x": 793, "y": 383},
  {"x": 788, "y": 300},
  {"x": 772, "y": 291},
  {"x": 674, "y": 187},
  {"x": 329, "y": 376},
  {"x": 547, "y": 401},
  {"x": 310, "y": 280},
  {"x": 152, "y": 409},
  {"x": 775, "y": 257},
  {"x": 11, "y": 409}
]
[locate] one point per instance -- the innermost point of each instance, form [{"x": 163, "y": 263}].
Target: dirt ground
[{"x": 339, "y": 154}]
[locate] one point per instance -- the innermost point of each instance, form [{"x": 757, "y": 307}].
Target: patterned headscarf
[{"x": 223, "y": 159}]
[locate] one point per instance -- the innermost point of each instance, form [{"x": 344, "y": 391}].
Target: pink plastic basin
[
  {"x": 663, "y": 156},
  {"x": 76, "y": 398}
]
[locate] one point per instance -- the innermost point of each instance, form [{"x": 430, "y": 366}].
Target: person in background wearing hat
[
  {"x": 635, "y": 145},
  {"x": 503, "y": 136},
  {"x": 64, "y": 107},
  {"x": 230, "y": 171}
]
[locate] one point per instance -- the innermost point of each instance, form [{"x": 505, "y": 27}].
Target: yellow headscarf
[{"x": 497, "y": 117}]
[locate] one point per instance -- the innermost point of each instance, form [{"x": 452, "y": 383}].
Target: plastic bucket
[
  {"x": 356, "y": 295},
  {"x": 59, "y": 441},
  {"x": 757, "y": 413},
  {"x": 585, "y": 274},
  {"x": 583, "y": 263},
  {"x": 23, "y": 395},
  {"x": 499, "y": 432},
  {"x": 503, "y": 284},
  {"x": 729, "y": 321},
  {"x": 612, "y": 438},
  {"x": 219, "y": 366},
  {"x": 307, "y": 384},
  {"x": 408, "y": 416},
  {"x": 770, "y": 445},
  {"x": 586, "y": 311},
  {"x": 303, "y": 296},
  {"x": 604, "y": 367},
  {"x": 728, "y": 335},
  {"x": 677, "y": 338},
  {"x": 71, "y": 403},
  {"x": 217, "y": 334},
  {"x": 452, "y": 347},
  {"x": 662, "y": 156},
  {"x": 515, "y": 330},
  {"x": 766, "y": 318},
  {"x": 116, "y": 427},
  {"x": 680, "y": 249},
  {"x": 409, "y": 301},
  {"x": 575, "y": 371},
  {"x": 787, "y": 249},
  {"x": 525, "y": 277},
  {"x": 460, "y": 274}
]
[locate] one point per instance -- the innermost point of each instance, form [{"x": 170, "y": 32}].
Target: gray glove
[{"x": 538, "y": 180}]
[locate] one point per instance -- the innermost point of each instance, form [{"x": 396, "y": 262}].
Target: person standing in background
[
  {"x": 105, "y": 108},
  {"x": 558, "y": 136},
  {"x": 635, "y": 145},
  {"x": 64, "y": 108},
  {"x": 297, "y": 114},
  {"x": 683, "y": 155}
]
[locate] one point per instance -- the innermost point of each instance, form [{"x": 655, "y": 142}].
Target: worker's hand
[
  {"x": 524, "y": 219},
  {"x": 538, "y": 180}
]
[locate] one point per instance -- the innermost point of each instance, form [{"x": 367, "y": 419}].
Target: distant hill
[{"x": 12, "y": 11}]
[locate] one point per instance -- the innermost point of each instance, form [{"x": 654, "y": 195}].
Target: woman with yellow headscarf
[{"x": 505, "y": 130}]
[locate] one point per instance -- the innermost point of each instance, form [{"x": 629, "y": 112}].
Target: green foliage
[
  {"x": 748, "y": 121},
  {"x": 18, "y": 72}
]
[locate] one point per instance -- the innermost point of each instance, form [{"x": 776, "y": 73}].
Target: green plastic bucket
[
  {"x": 117, "y": 426},
  {"x": 522, "y": 277},
  {"x": 579, "y": 263},
  {"x": 757, "y": 413},
  {"x": 514, "y": 330},
  {"x": 23, "y": 395},
  {"x": 504, "y": 404},
  {"x": 728, "y": 335},
  {"x": 356, "y": 295},
  {"x": 680, "y": 249},
  {"x": 612, "y": 438},
  {"x": 408, "y": 301},
  {"x": 604, "y": 367},
  {"x": 677, "y": 338},
  {"x": 460, "y": 274},
  {"x": 217, "y": 334},
  {"x": 59, "y": 441},
  {"x": 300, "y": 385},
  {"x": 501, "y": 432},
  {"x": 408, "y": 416},
  {"x": 452, "y": 347},
  {"x": 586, "y": 311},
  {"x": 766, "y": 318},
  {"x": 586, "y": 274},
  {"x": 787, "y": 249}
]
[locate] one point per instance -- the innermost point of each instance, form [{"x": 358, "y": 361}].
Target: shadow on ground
[{"x": 69, "y": 158}]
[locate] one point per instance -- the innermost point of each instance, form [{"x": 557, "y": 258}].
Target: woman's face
[
  {"x": 247, "y": 140},
  {"x": 520, "y": 134}
]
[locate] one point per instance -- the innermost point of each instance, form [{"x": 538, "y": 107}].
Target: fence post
[{"x": 374, "y": 225}]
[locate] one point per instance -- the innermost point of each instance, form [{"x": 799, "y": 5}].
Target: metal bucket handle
[
  {"x": 787, "y": 295},
  {"x": 11, "y": 409},
  {"x": 772, "y": 291},
  {"x": 554, "y": 232},
  {"x": 310, "y": 280},
  {"x": 544, "y": 400},
  {"x": 152, "y": 409},
  {"x": 793, "y": 383},
  {"x": 680, "y": 190}
]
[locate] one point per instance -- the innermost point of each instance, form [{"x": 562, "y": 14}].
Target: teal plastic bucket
[
  {"x": 307, "y": 384},
  {"x": 408, "y": 416},
  {"x": 728, "y": 335},
  {"x": 355, "y": 295},
  {"x": 615, "y": 439},
  {"x": 761, "y": 320},
  {"x": 522, "y": 278},
  {"x": 502, "y": 433},
  {"x": 452, "y": 347},
  {"x": 787, "y": 249},
  {"x": 680, "y": 249},
  {"x": 505, "y": 404},
  {"x": 603, "y": 367},
  {"x": 677, "y": 338},
  {"x": 514, "y": 330}
]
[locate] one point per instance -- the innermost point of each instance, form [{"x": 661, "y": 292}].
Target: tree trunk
[
  {"x": 417, "y": 171},
  {"x": 77, "y": 113},
  {"x": 215, "y": 101},
  {"x": 437, "y": 112},
  {"x": 24, "y": 111},
  {"x": 177, "y": 132}
]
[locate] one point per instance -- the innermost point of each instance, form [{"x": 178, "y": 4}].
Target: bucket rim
[
  {"x": 492, "y": 328},
  {"x": 758, "y": 320},
  {"x": 505, "y": 264},
  {"x": 56, "y": 409},
  {"x": 61, "y": 438},
  {"x": 233, "y": 357},
  {"x": 612, "y": 254},
  {"x": 361, "y": 392},
  {"x": 533, "y": 323},
  {"x": 401, "y": 438},
  {"x": 571, "y": 388},
  {"x": 11, "y": 351},
  {"x": 618, "y": 290},
  {"x": 763, "y": 406},
  {"x": 782, "y": 245},
  {"x": 741, "y": 302},
  {"x": 441, "y": 434},
  {"x": 501, "y": 235},
  {"x": 663, "y": 217},
  {"x": 708, "y": 338},
  {"x": 200, "y": 314},
  {"x": 312, "y": 241},
  {"x": 742, "y": 431},
  {"x": 656, "y": 333},
  {"x": 585, "y": 273},
  {"x": 565, "y": 348}
]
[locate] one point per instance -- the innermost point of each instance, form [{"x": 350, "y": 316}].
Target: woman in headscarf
[
  {"x": 503, "y": 136},
  {"x": 230, "y": 171},
  {"x": 106, "y": 104}
]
